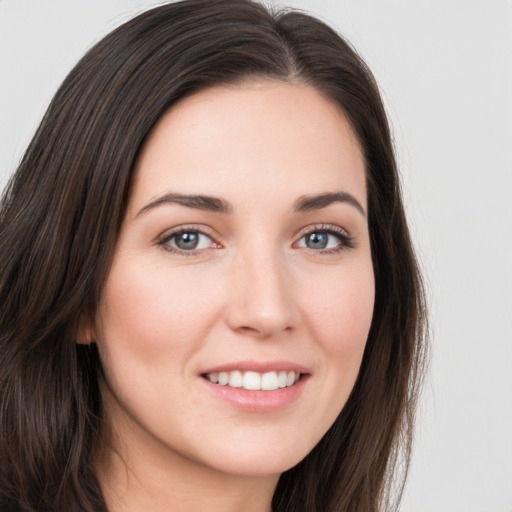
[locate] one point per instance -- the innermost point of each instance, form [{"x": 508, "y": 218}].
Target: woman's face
[{"x": 244, "y": 257}]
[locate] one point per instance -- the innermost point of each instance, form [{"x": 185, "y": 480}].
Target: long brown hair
[{"x": 59, "y": 220}]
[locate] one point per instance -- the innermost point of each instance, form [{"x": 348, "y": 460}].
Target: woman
[{"x": 209, "y": 295}]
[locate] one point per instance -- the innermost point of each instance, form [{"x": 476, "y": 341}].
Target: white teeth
[
  {"x": 236, "y": 379},
  {"x": 254, "y": 381},
  {"x": 269, "y": 381}
]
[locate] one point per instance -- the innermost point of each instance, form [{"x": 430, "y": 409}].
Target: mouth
[
  {"x": 254, "y": 381},
  {"x": 257, "y": 386}
]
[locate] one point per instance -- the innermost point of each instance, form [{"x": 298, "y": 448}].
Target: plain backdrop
[{"x": 445, "y": 70}]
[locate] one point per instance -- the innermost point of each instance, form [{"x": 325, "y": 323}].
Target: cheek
[
  {"x": 339, "y": 312},
  {"x": 340, "y": 316},
  {"x": 147, "y": 315},
  {"x": 343, "y": 303}
]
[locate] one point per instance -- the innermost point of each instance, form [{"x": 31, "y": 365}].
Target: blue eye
[
  {"x": 189, "y": 240},
  {"x": 318, "y": 240},
  {"x": 325, "y": 240}
]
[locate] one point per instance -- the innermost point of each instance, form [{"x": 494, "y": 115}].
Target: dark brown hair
[{"x": 59, "y": 220}]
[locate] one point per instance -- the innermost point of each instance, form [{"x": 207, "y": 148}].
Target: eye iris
[
  {"x": 317, "y": 240},
  {"x": 186, "y": 241}
]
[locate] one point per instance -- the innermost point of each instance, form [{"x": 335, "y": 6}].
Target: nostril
[
  {"x": 261, "y": 332},
  {"x": 248, "y": 330}
]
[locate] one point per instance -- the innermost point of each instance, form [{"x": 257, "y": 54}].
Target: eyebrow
[
  {"x": 317, "y": 202},
  {"x": 218, "y": 205},
  {"x": 199, "y": 202}
]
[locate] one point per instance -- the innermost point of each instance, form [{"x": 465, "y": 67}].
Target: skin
[{"x": 252, "y": 291}]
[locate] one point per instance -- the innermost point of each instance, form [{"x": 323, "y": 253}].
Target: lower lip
[{"x": 258, "y": 401}]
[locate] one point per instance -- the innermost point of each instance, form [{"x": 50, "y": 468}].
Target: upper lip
[{"x": 257, "y": 366}]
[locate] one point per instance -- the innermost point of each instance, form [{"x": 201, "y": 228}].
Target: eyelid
[{"x": 332, "y": 228}]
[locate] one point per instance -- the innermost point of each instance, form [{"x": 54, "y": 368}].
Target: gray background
[{"x": 445, "y": 69}]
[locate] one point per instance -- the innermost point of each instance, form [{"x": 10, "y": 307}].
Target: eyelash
[{"x": 345, "y": 240}]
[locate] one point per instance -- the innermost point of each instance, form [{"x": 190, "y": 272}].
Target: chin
[{"x": 257, "y": 459}]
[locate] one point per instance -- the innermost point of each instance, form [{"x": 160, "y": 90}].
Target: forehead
[{"x": 264, "y": 135}]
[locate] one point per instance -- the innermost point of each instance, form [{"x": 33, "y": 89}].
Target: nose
[{"x": 261, "y": 301}]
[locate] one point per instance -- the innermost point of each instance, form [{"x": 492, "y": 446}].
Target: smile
[{"x": 254, "y": 381}]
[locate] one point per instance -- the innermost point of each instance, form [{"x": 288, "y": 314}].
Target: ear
[{"x": 85, "y": 331}]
